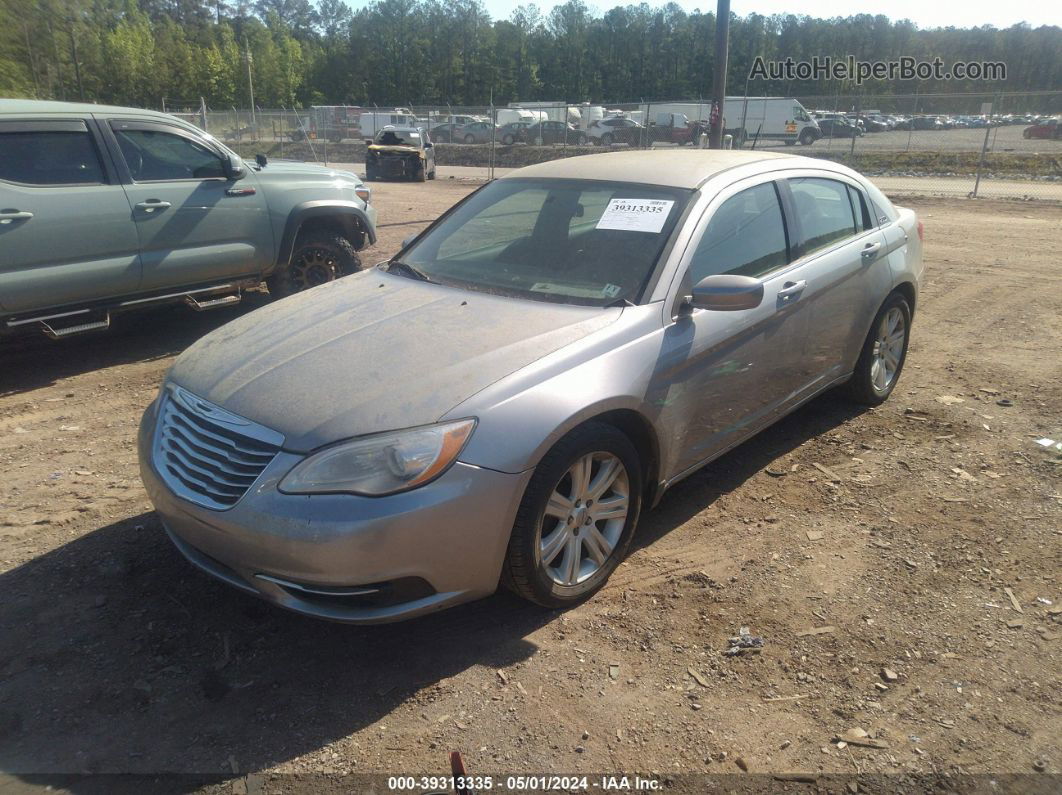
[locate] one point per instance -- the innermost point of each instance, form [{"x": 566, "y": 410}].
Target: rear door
[
  {"x": 195, "y": 225},
  {"x": 841, "y": 254},
  {"x": 66, "y": 231}
]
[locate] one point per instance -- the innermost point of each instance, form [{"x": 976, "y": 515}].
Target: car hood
[
  {"x": 373, "y": 352},
  {"x": 287, "y": 171}
]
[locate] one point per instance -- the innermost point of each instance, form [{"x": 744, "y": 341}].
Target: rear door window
[
  {"x": 824, "y": 209},
  {"x": 49, "y": 157}
]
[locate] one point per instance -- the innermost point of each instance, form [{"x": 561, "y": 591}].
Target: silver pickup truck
[{"x": 104, "y": 209}]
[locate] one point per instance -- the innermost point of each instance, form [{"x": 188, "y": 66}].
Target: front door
[
  {"x": 195, "y": 225},
  {"x": 66, "y": 231},
  {"x": 722, "y": 374}
]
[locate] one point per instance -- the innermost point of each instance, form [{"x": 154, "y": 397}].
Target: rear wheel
[
  {"x": 420, "y": 172},
  {"x": 470, "y": 139},
  {"x": 606, "y": 139},
  {"x": 576, "y": 519},
  {"x": 319, "y": 257},
  {"x": 884, "y": 352}
]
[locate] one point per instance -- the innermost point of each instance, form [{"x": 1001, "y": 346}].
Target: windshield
[
  {"x": 398, "y": 138},
  {"x": 568, "y": 241}
]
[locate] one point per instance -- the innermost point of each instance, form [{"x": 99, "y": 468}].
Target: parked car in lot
[
  {"x": 447, "y": 133},
  {"x": 1045, "y": 129},
  {"x": 105, "y": 208},
  {"x": 503, "y": 398},
  {"x": 479, "y": 132},
  {"x": 839, "y": 128},
  {"x": 554, "y": 132},
  {"x": 513, "y": 132},
  {"x": 926, "y": 123},
  {"x": 400, "y": 152},
  {"x": 616, "y": 130}
]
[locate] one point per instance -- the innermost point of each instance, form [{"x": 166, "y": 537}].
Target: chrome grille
[{"x": 207, "y": 455}]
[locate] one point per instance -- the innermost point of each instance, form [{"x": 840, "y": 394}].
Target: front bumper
[{"x": 361, "y": 560}]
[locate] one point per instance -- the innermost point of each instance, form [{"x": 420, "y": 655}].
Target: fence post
[{"x": 984, "y": 148}]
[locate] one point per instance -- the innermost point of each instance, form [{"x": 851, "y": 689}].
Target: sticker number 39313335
[{"x": 635, "y": 215}]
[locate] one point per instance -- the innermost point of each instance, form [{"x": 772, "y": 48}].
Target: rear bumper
[{"x": 346, "y": 558}]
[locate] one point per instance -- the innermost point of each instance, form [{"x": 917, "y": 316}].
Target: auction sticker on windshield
[{"x": 635, "y": 215}]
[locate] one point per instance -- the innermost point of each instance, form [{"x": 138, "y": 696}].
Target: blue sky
[{"x": 925, "y": 13}]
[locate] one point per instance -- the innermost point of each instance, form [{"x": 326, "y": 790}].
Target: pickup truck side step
[
  {"x": 63, "y": 332},
  {"x": 212, "y": 303}
]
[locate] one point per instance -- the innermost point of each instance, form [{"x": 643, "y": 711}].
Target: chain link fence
[{"x": 1003, "y": 145}]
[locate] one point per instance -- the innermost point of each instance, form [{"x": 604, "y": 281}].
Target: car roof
[
  {"x": 41, "y": 106},
  {"x": 672, "y": 168}
]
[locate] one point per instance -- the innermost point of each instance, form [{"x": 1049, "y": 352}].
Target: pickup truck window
[
  {"x": 49, "y": 158},
  {"x": 154, "y": 156}
]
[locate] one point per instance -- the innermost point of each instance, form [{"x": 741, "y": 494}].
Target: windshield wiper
[{"x": 414, "y": 273}]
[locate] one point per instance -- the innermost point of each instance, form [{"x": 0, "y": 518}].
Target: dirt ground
[{"x": 901, "y": 564}]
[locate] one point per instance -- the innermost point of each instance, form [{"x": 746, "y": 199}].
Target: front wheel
[
  {"x": 884, "y": 352},
  {"x": 508, "y": 140},
  {"x": 606, "y": 139},
  {"x": 470, "y": 139},
  {"x": 576, "y": 519},
  {"x": 318, "y": 258},
  {"x": 807, "y": 138}
]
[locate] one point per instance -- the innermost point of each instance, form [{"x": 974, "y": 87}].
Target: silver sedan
[{"x": 500, "y": 401}]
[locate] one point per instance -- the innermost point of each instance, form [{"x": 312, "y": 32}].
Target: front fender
[{"x": 350, "y": 211}]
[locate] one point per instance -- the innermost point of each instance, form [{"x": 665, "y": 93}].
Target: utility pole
[
  {"x": 250, "y": 82},
  {"x": 77, "y": 66},
  {"x": 722, "y": 43}
]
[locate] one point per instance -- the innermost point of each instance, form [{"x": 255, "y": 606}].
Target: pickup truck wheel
[{"x": 318, "y": 258}]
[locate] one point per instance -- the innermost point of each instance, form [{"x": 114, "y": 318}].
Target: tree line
[{"x": 403, "y": 52}]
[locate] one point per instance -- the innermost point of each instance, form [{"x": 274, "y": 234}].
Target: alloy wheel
[
  {"x": 888, "y": 350},
  {"x": 584, "y": 518},
  {"x": 313, "y": 266}
]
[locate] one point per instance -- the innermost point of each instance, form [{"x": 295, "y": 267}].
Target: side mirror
[
  {"x": 234, "y": 168},
  {"x": 726, "y": 292},
  {"x": 428, "y": 144},
  {"x": 408, "y": 240}
]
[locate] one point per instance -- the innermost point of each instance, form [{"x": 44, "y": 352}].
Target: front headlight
[{"x": 384, "y": 463}]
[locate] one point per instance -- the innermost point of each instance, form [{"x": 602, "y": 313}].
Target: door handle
[
  {"x": 792, "y": 290},
  {"x": 871, "y": 250},
  {"x": 151, "y": 205},
  {"x": 10, "y": 216}
]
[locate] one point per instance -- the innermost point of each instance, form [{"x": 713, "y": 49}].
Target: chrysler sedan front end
[{"x": 497, "y": 402}]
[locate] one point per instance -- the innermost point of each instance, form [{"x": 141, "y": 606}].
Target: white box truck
[
  {"x": 769, "y": 119},
  {"x": 772, "y": 118}
]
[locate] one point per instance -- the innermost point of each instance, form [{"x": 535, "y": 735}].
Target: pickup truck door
[
  {"x": 66, "y": 231},
  {"x": 195, "y": 225}
]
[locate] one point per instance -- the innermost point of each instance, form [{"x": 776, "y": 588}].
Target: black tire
[
  {"x": 508, "y": 140},
  {"x": 790, "y": 143},
  {"x": 606, "y": 139},
  {"x": 420, "y": 173},
  {"x": 370, "y": 175},
  {"x": 470, "y": 139},
  {"x": 861, "y": 387},
  {"x": 807, "y": 138},
  {"x": 522, "y": 571},
  {"x": 431, "y": 174},
  {"x": 319, "y": 257}
]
